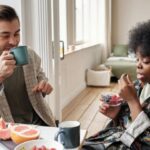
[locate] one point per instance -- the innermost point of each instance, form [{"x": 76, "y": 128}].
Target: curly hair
[{"x": 139, "y": 39}]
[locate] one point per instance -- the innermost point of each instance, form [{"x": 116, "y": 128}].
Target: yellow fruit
[{"x": 21, "y": 133}]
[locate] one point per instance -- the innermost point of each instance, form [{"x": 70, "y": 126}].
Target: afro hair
[{"x": 139, "y": 39}]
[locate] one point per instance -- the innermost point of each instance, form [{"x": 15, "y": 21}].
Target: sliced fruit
[
  {"x": 4, "y": 129},
  {"x": 2, "y": 123},
  {"x": 5, "y": 134},
  {"x": 19, "y": 128},
  {"x": 21, "y": 133}
]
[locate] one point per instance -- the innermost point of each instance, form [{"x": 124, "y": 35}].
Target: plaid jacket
[
  {"x": 117, "y": 136},
  {"x": 33, "y": 74}
]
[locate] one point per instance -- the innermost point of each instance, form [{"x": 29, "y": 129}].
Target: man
[{"x": 21, "y": 88}]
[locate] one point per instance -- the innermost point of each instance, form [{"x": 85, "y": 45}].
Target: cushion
[
  {"x": 98, "y": 78},
  {"x": 101, "y": 67},
  {"x": 120, "y": 50}
]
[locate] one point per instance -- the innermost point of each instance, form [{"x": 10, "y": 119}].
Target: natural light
[{"x": 81, "y": 24}]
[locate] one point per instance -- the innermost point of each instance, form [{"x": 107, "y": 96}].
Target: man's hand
[
  {"x": 7, "y": 65},
  {"x": 43, "y": 87}
]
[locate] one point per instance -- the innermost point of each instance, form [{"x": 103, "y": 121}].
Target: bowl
[
  {"x": 113, "y": 99},
  {"x": 29, "y": 145}
]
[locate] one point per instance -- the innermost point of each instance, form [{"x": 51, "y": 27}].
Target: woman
[{"x": 130, "y": 125}]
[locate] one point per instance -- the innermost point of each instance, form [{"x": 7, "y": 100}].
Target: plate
[
  {"x": 113, "y": 99},
  {"x": 47, "y": 143}
]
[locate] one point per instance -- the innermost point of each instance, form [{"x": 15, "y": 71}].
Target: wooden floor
[{"x": 84, "y": 108}]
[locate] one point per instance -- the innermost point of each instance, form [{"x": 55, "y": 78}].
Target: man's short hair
[{"x": 7, "y": 13}]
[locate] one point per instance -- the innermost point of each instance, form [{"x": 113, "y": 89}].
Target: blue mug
[
  {"x": 20, "y": 54},
  {"x": 69, "y": 134}
]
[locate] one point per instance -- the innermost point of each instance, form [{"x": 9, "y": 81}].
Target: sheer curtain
[
  {"x": 105, "y": 28},
  {"x": 41, "y": 25}
]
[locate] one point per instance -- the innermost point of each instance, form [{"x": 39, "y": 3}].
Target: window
[
  {"x": 80, "y": 19},
  {"x": 79, "y": 23}
]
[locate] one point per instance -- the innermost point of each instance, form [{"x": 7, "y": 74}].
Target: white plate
[{"x": 30, "y": 144}]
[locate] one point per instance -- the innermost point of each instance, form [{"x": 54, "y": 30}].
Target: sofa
[{"x": 122, "y": 61}]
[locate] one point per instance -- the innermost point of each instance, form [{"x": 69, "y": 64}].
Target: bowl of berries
[
  {"x": 40, "y": 144},
  {"x": 113, "y": 99}
]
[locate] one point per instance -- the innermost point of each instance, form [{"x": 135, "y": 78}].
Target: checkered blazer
[{"x": 33, "y": 74}]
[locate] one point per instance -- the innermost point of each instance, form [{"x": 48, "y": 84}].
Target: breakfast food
[
  {"x": 2, "y": 123},
  {"x": 112, "y": 99},
  {"x": 18, "y": 133},
  {"x": 42, "y": 148},
  {"x": 4, "y": 129},
  {"x": 21, "y": 133}
]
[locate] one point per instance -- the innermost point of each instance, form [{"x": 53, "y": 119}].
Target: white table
[
  {"x": 45, "y": 133},
  {"x": 50, "y": 132}
]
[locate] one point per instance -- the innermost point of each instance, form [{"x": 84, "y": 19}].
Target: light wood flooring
[{"x": 84, "y": 108}]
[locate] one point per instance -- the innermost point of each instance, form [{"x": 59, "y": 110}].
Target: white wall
[
  {"x": 15, "y": 4},
  {"x": 73, "y": 67},
  {"x": 73, "y": 71},
  {"x": 125, "y": 15}
]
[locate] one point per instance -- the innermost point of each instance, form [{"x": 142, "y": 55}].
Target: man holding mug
[{"x": 21, "y": 87}]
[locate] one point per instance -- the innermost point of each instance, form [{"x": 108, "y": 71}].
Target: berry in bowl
[
  {"x": 40, "y": 144},
  {"x": 112, "y": 99}
]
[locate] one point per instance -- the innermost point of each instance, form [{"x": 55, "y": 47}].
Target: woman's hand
[
  {"x": 108, "y": 110},
  {"x": 128, "y": 93},
  {"x": 127, "y": 89}
]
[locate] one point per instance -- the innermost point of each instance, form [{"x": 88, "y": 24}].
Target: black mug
[{"x": 69, "y": 134}]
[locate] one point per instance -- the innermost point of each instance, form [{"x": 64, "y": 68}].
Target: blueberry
[{"x": 106, "y": 98}]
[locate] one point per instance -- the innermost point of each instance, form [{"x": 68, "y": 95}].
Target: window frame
[{"x": 71, "y": 44}]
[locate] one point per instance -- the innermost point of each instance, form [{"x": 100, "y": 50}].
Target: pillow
[
  {"x": 101, "y": 67},
  {"x": 120, "y": 50}
]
